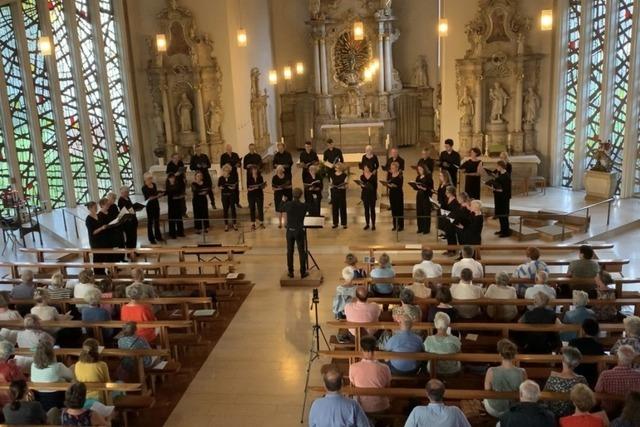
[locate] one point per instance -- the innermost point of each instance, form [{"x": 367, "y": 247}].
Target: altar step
[{"x": 553, "y": 233}]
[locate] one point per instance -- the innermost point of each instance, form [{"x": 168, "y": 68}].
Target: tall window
[{"x": 63, "y": 119}]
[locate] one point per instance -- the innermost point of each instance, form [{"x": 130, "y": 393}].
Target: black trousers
[
  {"x": 236, "y": 196},
  {"x": 131, "y": 234},
  {"x": 502, "y": 212},
  {"x": 229, "y": 204},
  {"x": 256, "y": 203},
  {"x": 423, "y": 211},
  {"x": 339, "y": 206},
  {"x": 153, "y": 223},
  {"x": 369, "y": 211},
  {"x": 313, "y": 201},
  {"x": 296, "y": 237},
  {"x": 176, "y": 225},
  {"x": 396, "y": 199}
]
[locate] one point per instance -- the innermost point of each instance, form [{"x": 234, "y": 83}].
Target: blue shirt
[
  {"x": 383, "y": 273},
  {"x": 576, "y": 317},
  {"x": 97, "y": 314},
  {"x": 437, "y": 415},
  {"x": 404, "y": 342},
  {"x": 335, "y": 410}
]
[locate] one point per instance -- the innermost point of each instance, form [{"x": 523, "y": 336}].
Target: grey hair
[
  {"x": 93, "y": 296},
  {"x": 27, "y": 276},
  {"x": 542, "y": 277},
  {"x": 384, "y": 260},
  {"x": 571, "y": 356},
  {"x": 626, "y": 354},
  {"x": 6, "y": 350},
  {"x": 529, "y": 391},
  {"x": 502, "y": 279},
  {"x": 31, "y": 321},
  {"x": 407, "y": 296},
  {"x": 419, "y": 275},
  {"x": 441, "y": 320},
  {"x": 134, "y": 291},
  {"x": 57, "y": 280},
  {"x": 632, "y": 325},
  {"x": 540, "y": 299},
  {"x": 580, "y": 298},
  {"x": 348, "y": 274}
]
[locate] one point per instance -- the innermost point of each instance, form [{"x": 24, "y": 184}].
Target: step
[
  {"x": 313, "y": 280},
  {"x": 527, "y": 233},
  {"x": 552, "y": 233}
]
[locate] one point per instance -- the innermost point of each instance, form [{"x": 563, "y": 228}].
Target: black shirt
[
  {"x": 447, "y": 160},
  {"x": 228, "y": 185},
  {"x": 296, "y": 212},
  {"x": 428, "y": 164},
  {"x": 427, "y": 182},
  {"x": 307, "y": 159},
  {"x": 254, "y": 182},
  {"x": 200, "y": 162},
  {"x": 175, "y": 168},
  {"x": 528, "y": 414},
  {"x": 503, "y": 182},
  {"x": 149, "y": 192},
  {"x": 390, "y": 160},
  {"x": 588, "y": 346},
  {"x": 540, "y": 342},
  {"x": 276, "y": 181},
  {"x": 175, "y": 191},
  {"x": 232, "y": 160},
  {"x": 285, "y": 160},
  {"x": 338, "y": 180},
  {"x": 252, "y": 159},
  {"x": 333, "y": 156},
  {"x": 372, "y": 163}
]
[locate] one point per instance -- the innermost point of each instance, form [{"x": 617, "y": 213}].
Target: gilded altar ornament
[{"x": 351, "y": 58}]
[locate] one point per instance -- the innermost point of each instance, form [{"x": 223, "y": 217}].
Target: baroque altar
[
  {"x": 342, "y": 98},
  {"x": 185, "y": 84},
  {"x": 497, "y": 82}
]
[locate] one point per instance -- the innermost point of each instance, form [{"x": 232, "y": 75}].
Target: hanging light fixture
[
  {"x": 44, "y": 46},
  {"x": 242, "y": 37},
  {"x": 299, "y": 68},
  {"x": 358, "y": 31},
  {"x": 287, "y": 73},
  {"x": 443, "y": 27},
  {"x": 273, "y": 77},
  {"x": 161, "y": 43},
  {"x": 546, "y": 20}
]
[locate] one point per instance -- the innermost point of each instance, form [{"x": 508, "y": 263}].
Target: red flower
[
  {"x": 51, "y": 4},
  {"x": 30, "y": 186},
  {"x": 572, "y": 45},
  {"x": 628, "y": 14},
  {"x": 125, "y": 149}
]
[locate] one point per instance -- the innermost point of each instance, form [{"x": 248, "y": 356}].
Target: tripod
[
  {"x": 310, "y": 266},
  {"x": 314, "y": 351}
]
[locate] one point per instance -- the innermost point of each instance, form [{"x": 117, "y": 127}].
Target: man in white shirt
[
  {"x": 540, "y": 286},
  {"x": 430, "y": 268},
  {"x": 467, "y": 261},
  {"x": 466, "y": 290}
]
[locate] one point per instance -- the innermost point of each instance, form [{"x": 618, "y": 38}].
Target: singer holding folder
[
  {"x": 501, "y": 186},
  {"x": 281, "y": 185},
  {"x": 450, "y": 161},
  {"x": 312, "y": 190},
  {"x": 369, "y": 194},
  {"x": 255, "y": 194},
  {"x": 424, "y": 189},
  {"x": 151, "y": 196},
  {"x": 396, "y": 195},
  {"x": 228, "y": 184},
  {"x": 339, "y": 196}
]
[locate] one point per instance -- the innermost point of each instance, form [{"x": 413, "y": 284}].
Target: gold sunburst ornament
[{"x": 351, "y": 57}]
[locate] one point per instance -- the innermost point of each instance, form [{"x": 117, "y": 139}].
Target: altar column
[
  {"x": 316, "y": 64},
  {"x": 166, "y": 109},
  {"x": 517, "y": 120},
  {"x": 388, "y": 63},
  {"x": 477, "y": 117},
  {"x": 202, "y": 130},
  {"x": 381, "y": 72},
  {"x": 323, "y": 62}
]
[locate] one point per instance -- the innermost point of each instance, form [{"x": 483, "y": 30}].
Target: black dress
[
  {"x": 306, "y": 160},
  {"x": 153, "y": 213},
  {"x": 255, "y": 194},
  {"x": 471, "y": 182},
  {"x": 312, "y": 194},
  {"x": 98, "y": 241},
  {"x": 285, "y": 160},
  {"x": 228, "y": 187},
  {"x": 472, "y": 231},
  {"x": 423, "y": 204},
  {"x": 339, "y": 199},
  {"x": 372, "y": 163},
  {"x": 201, "y": 163},
  {"x": 199, "y": 202},
  {"x": 176, "y": 207},
  {"x": 279, "y": 192},
  {"x": 130, "y": 226},
  {"x": 450, "y": 162},
  {"x": 369, "y": 195},
  {"x": 396, "y": 199}
]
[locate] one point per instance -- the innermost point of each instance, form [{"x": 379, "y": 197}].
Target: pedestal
[
  {"x": 313, "y": 280},
  {"x": 466, "y": 139},
  {"x": 497, "y": 137},
  {"x": 529, "y": 139},
  {"x": 600, "y": 185}
]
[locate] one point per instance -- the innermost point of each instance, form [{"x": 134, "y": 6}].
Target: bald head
[
  {"x": 229, "y": 148},
  {"x": 362, "y": 293},
  {"x": 332, "y": 377},
  {"x": 435, "y": 390}
]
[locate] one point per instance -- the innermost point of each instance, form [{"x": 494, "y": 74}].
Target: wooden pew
[{"x": 495, "y": 247}]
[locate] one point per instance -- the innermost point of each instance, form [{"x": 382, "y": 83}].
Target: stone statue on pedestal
[
  {"x": 184, "y": 109},
  {"x": 531, "y": 106},
  {"x": 467, "y": 108},
  {"x": 315, "y": 8},
  {"x": 214, "y": 117},
  {"x": 261, "y": 136},
  {"x": 498, "y": 98},
  {"x": 420, "y": 75},
  {"x": 158, "y": 123}
]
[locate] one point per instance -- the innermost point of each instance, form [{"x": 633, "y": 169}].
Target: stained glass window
[{"x": 571, "y": 95}]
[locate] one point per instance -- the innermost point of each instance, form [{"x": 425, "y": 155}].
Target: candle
[
  {"x": 369, "y": 131},
  {"x": 387, "y": 142},
  {"x": 311, "y": 132},
  {"x": 282, "y": 139},
  {"x": 335, "y": 111},
  {"x": 370, "y": 110}
]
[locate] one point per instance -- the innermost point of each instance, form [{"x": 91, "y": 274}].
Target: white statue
[
  {"x": 498, "y": 98},
  {"x": 314, "y": 8},
  {"x": 467, "y": 108},
  {"x": 214, "y": 117},
  {"x": 531, "y": 106},
  {"x": 158, "y": 123},
  {"x": 477, "y": 43},
  {"x": 255, "y": 82},
  {"x": 184, "y": 114},
  {"x": 386, "y": 6},
  {"x": 420, "y": 73},
  {"x": 520, "y": 44}
]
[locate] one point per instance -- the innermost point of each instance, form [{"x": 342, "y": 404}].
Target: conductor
[{"x": 296, "y": 211}]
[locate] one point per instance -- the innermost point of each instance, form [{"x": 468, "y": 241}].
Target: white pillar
[
  {"x": 381, "y": 72},
  {"x": 388, "y": 63},
  {"x": 477, "y": 117},
  {"x": 202, "y": 129},
  {"x": 323, "y": 63},
  {"x": 166, "y": 110},
  {"x": 517, "y": 119},
  {"x": 316, "y": 65}
]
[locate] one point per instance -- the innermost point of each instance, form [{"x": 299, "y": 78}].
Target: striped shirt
[{"x": 59, "y": 293}]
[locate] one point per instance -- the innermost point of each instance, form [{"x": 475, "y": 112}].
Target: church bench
[{"x": 518, "y": 301}]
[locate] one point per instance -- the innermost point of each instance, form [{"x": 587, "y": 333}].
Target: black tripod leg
[{"x": 313, "y": 355}]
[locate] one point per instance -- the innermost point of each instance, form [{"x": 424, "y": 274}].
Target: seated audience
[
  {"x": 529, "y": 269},
  {"x": 528, "y": 412},
  {"x": 430, "y": 268},
  {"x": 443, "y": 343},
  {"x": 360, "y": 311},
  {"x": 86, "y": 282},
  {"x": 631, "y": 334},
  {"x": 57, "y": 289},
  {"x": 584, "y": 268},
  {"x": 369, "y": 373},
  {"x": 46, "y": 369},
  {"x": 506, "y": 377},
  {"x": 334, "y": 409},
  {"x": 407, "y": 307},
  {"x": 419, "y": 285},
  {"x": 467, "y": 261},
  {"x": 43, "y": 310},
  {"x": 344, "y": 293},
  {"x": 90, "y": 369},
  {"x": 631, "y": 413},
  {"x": 621, "y": 379},
  {"x": 23, "y": 410},
  {"x": 105, "y": 286},
  {"x": 136, "y": 312},
  {"x": 563, "y": 381},
  {"x": 578, "y": 314},
  {"x": 383, "y": 271},
  {"x": 501, "y": 290},
  {"x": 583, "y": 400},
  {"x": 352, "y": 261},
  {"x": 588, "y": 345},
  {"x": 541, "y": 286},
  {"x": 23, "y": 291},
  {"x": 436, "y": 413},
  {"x": 74, "y": 413},
  {"x": 465, "y": 290},
  {"x": 95, "y": 313},
  {"x": 6, "y": 313},
  {"x": 404, "y": 341},
  {"x": 444, "y": 298},
  {"x": 9, "y": 371},
  {"x": 30, "y": 337},
  {"x": 539, "y": 342},
  {"x": 128, "y": 340},
  {"x": 148, "y": 291}
]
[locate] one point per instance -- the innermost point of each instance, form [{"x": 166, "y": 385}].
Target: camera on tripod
[{"x": 315, "y": 298}]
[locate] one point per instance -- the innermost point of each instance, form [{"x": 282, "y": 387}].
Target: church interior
[{"x": 333, "y": 213}]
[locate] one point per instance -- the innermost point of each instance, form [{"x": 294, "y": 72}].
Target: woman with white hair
[
  {"x": 312, "y": 190},
  {"x": 344, "y": 293},
  {"x": 539, "y": 342},
  {"x": 282, "y": 191},
  {"x": 30, "y": 337},
  {"x": 578, "y": 314},
  {"x": 370, "y": 160},
  {"x": 443, "y": 343},
  {"x": 339, "y": 196},
  {"x": 151, "y": 196},
  {"x": 501, "y": 290},
  {"x": 631, "y": 334},
  {"x": 563, "y": 381},
  {"x": 228, "y": 183},
  {"x": 419, "y": 286}
]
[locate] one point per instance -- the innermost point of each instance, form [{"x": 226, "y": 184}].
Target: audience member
[
  {"x": 631, "y": 334},
  {"x": 466, "y": 290},
  {"x": 128, "y": 340},
  {"x": 57, "y": 289},
  {"x": 30, "y": 337},
  {"x": 583, "y": 400},
  {"x": 436, "y": 413},
  {"x": 584, "y": 267},
  {"x": 23, "y": 291},
  {"x": 404, "y": 341},
  {"x": 578, "y": 314},
  {"x": 86, "y": 282},
  {"x": 444, "y": 298},
  {"x": 563, "y": 381},
  {"x": 370, "y": 373},
  {"x": 352, "y": 261},
  {"x": 74, "y": 413},
  {"x": 23, "y": 410},
  {"x": 43, "y": 310},
  {"x": 501, "y": 290},
  {"x": 443, "y": 343},
  {"x": 467, "y": 261},
  {"x": 344, "y": 293},
  {"x": 430, "y": 268},
  {"x": 6, "y": 313},
  {"x": 539, "y": 342},
  {"x": 419, "y": 286},
  {"x": 46, "y": 369},
  {"x": 588, "y": 345},
  {"x": 529, "y": 269},
  {"x": 360, "y": 311},
  {"x": 621, "y": 379},
  {"x": 334, "y": 409},
  {"x": 631, "y": 413},
  {"x": 383, "y": 271},
  {"x": 9, "y": 370},
  {"x": 541, "y": 286},
  {"x": 95, "y": 313},
  {"x": 90, "y": 369},
  {"x": 506, "y": 377},
  {"x": 136, "y": 312},
  {"x": 528, "y": 412},
  {"x": 148, "y": 291},
  {"x": 407, "y": 307}
]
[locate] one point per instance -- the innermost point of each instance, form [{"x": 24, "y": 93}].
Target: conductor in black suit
[
  {"x": 450, "y": 161},
  {"x": 296, "y": 211},
  {"x": 502, "y": 197}
]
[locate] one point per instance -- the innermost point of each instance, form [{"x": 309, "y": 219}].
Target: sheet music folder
[{"x": 314, "y": 222}]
